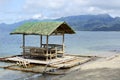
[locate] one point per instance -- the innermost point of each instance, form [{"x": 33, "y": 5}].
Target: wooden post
[
  {"x": 47, "y": 46},
  {"x": 40, "y": 40},
  {"x": 23, "y": 45},
  {"x": 63, "y": 43}
]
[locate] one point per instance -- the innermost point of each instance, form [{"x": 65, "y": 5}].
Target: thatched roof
[{"x": 44, "y": 28}]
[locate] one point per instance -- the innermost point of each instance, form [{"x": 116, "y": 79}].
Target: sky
[{"x": 12, "y": 11}]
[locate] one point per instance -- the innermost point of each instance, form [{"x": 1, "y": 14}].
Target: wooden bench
[
  {"x": 40, "y": 52},
  {"x": 59, "y": 48}
]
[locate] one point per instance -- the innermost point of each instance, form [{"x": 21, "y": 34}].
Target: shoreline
[{"x": 102, "y": 69}]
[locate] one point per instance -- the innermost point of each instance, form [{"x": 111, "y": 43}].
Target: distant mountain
[{"x": 101, "y": 22}]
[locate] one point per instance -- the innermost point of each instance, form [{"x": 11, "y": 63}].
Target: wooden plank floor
[
  {"x": 53, "y": 61},
  {"x": 66, "y": 62}
]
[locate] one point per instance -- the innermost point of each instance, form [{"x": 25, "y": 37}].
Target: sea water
[{"x": 98, "y": 43}]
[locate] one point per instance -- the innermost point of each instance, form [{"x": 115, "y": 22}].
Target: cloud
[
  {"x": 42, "y": 9},
  {"x": 39, "y": 16},
  {"x": 55, "y": 8},
  {"x": 46, "y": 4},
  {"x": 105, "y": 4},
  {"x": 3, "y": 1},
  {"x": 60, "y": 8}
]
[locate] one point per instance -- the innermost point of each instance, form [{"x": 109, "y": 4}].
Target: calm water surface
[{"x": 83, "y": 42}]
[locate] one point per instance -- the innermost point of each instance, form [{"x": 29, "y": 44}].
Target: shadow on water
[{"x": 42, "y": 77}]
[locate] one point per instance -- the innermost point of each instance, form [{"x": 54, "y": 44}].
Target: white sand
[
  {"x": 109, "y": 62},
  {"x": 102, "y": 69}
]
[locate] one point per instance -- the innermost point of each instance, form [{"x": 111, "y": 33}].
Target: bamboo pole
[
  {"x": 47, "y": 46},
  {"x": 40, "y": 40},
  {"x": 23, "y": 45},
  {"x": 63, "y": 43}
]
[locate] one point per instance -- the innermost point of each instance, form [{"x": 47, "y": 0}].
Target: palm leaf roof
[{"x": 43, "y": 28}]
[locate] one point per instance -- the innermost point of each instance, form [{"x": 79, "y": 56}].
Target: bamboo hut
[{"x": 47, "y": 29}]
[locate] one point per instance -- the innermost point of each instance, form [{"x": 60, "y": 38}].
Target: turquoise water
[
  {"x": 94, "y": 43},
  {"x": 83, "y": 42}
]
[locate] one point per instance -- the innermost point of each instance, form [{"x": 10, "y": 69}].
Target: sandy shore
[{"x": 102, "y": 69}]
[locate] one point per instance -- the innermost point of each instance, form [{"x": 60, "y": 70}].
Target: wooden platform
[
  {"x": 35, "y": 61},
  {"x": 39, "y": 66},
  {"x": 63, "y": 62}
]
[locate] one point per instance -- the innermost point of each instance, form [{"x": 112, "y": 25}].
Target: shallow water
[
  {"x": 14, "y": 75},
  {"x": 83, "y": 42}
]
